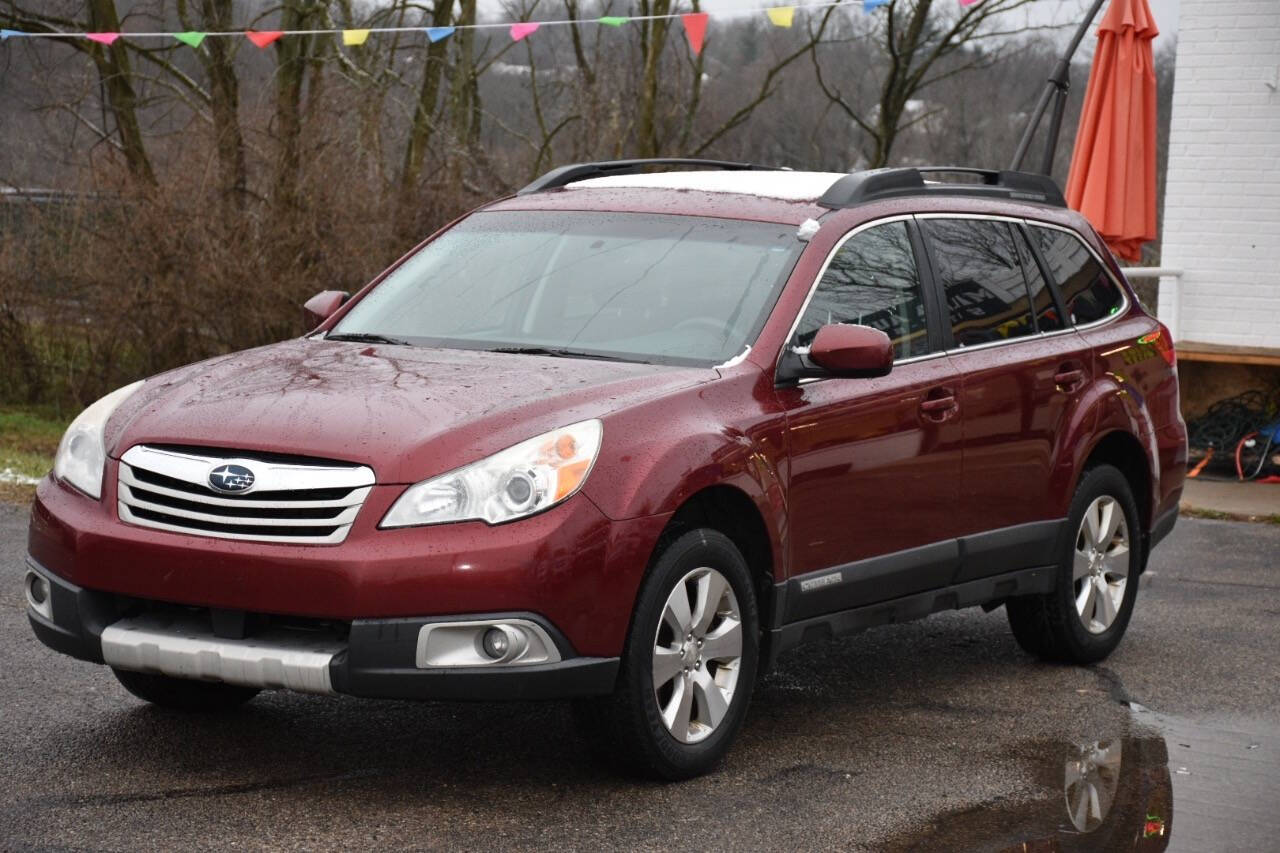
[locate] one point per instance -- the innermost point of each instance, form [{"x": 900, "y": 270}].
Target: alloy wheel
[
  {"x": 1100, "y": 565},
  {"x": 697, "y": 655}
]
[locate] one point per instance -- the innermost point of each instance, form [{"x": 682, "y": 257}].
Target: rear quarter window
[{"x": 1088, "y": 293}]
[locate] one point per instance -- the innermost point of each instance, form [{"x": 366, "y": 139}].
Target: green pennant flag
[
  {"x": 192, "y": 38},
  {"x": 612, "y": 21}
]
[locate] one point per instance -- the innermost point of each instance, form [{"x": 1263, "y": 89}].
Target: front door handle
[{"x": 940, "y": 405}]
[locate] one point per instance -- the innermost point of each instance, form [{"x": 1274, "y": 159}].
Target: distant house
[{"x": 1222, "y": 199}]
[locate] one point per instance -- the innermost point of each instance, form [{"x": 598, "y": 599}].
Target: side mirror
[
  {"x": 320, "y": 307},
  {"x": 844, "y": 350},
  {"x": 840, "y": 349}
]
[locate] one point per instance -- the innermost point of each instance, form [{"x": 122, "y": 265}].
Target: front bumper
[
  {"x": 571, "y": 564},
  {"x": 367, "y": 657}
]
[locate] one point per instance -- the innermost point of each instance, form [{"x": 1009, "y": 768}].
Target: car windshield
[{"x": 635, "y": 287}]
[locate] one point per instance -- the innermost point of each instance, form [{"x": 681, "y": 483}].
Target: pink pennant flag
[
  {"x": 967, "y": 2},
  {"x": 102, "y": 38},
  {"x": 695, "y": 27},
  {"x": 264, "y": 38},
  {"x": 519, "y": 31}
]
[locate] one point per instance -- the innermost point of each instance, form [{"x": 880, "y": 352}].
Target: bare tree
[
  {"x": 919, "y": 43},
  {"x": 114, "y": 71}
]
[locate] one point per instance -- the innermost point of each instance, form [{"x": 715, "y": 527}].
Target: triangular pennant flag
[
  {"x": 264, "y": 38},
  {"x": 102, "y": 38},
  {"x": 191, "y": 38},
  {"x": 868, "y": 5},
  {"x": 519, "y": 31},
  {"x": 4, "y": 34},
  {"x": 354, "y": 38},
  {"x": 967, "y": 2},
  {"x": 695, "y": 27},
  {"x": 612, "y": 21},
  {"x": 781, "y": 15},
  {"x": 435, "y": 34}
]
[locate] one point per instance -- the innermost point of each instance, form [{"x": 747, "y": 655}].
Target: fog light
[
  {"x": 496, "y": 643},
  {"x": 38, "y": 594}
]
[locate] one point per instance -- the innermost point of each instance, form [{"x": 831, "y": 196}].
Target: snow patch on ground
[{"x": 8, "y": 475}]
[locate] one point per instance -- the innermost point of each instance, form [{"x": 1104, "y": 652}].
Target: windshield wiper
[
  {"x": 365, "y": 338},
  {"x": 563, "y": 353}
]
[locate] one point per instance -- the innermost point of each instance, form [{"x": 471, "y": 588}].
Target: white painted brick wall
[{"x": 1222, "y": 195}]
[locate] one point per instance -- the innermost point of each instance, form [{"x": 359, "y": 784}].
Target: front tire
[
  {"x": 689, "y": 665},
  {"x": 184, "y": 694},
  {"x": 1083, "y": 619}
]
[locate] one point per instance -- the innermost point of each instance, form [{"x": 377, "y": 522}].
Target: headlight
[
  {"x": 81, "y": 453},
  {"x": 519, "y": 481}
]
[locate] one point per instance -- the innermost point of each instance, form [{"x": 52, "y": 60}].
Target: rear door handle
[{"x": 1069, "y": 380}]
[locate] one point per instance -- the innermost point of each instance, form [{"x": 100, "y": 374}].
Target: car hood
[{"x": 407, "y": 412}]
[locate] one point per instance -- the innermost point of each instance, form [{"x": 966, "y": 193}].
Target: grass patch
[{"x": 28, "y": 439}]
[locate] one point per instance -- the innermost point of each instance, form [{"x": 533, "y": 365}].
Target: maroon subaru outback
[{"x": 626, "y": 437}]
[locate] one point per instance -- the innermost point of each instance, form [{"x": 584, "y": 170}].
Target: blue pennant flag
[
  {"x": 868, "y": 5},
  {"x": 435, "y": 34},
  {"x": 4, "y": 34}
]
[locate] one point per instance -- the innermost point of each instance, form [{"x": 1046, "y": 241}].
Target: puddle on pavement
[{"x": 1163, "y": 783}]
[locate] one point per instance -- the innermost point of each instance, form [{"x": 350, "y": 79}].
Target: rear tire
[
  {"x": 695, "y": 632},
  {"x": 184, "y": 694},
  {"x": 1083, "y": 619}
]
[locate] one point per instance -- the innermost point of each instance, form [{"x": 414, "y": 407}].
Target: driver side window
[{"x": 872, "y": 281}]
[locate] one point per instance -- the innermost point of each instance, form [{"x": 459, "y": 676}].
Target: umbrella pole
[{"x": 1057, "y": 84}]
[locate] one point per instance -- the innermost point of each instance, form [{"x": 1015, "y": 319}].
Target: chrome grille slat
[
  {"x": 346, "y": 516},
  {"x": 354, "y": 498},
  {"x": 289, "y": 516}
]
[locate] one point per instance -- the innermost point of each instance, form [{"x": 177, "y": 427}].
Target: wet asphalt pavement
[{"x": 935, "y": 735}]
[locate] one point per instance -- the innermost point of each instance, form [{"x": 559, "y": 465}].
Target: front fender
[{"x": 708, "y": 437}]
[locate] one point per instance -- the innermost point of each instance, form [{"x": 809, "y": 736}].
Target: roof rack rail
[
  {"x": 574, "y": 172},
  {"x": 878, "y": 184}
]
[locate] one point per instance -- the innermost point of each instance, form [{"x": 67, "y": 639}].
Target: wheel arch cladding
[{"x": 1123, "y": 451}]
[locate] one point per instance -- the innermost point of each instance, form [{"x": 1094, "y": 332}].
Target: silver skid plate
[{"x": 187, "y": 648}]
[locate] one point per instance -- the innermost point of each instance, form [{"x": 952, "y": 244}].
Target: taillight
[{"x": 1162, "y": 340}]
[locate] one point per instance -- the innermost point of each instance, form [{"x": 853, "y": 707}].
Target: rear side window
[
  {"x": 1047, "y": 319},
  {"x": 1088, "y": 293},
  {"x": 977, "y": 264},
  {"x": 872, "y": 281}
]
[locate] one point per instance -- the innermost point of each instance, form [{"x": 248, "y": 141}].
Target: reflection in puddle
[
  {"x": 1117, "y": 794},
  {"x": 1092, "y": 779},
  {"x": 1112, "y": 794}
]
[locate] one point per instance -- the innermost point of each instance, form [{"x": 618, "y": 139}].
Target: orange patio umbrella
[{"x": 1113, "y": 169}]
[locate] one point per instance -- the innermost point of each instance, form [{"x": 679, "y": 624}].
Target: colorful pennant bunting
[
  {"x": 522, "y": 29},
  {"x": 263, "y": 38},
  {"x": 782, "y": 16},
  {"x": 695, "y": 27}
]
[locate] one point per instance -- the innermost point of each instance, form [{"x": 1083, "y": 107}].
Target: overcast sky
[{"x": 1039, "y": 13}]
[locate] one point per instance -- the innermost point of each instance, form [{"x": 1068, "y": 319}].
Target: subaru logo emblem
[{"x": 231, "y": 478}]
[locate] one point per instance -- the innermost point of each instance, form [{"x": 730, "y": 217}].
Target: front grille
[{"x": 168, "y": 489}]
